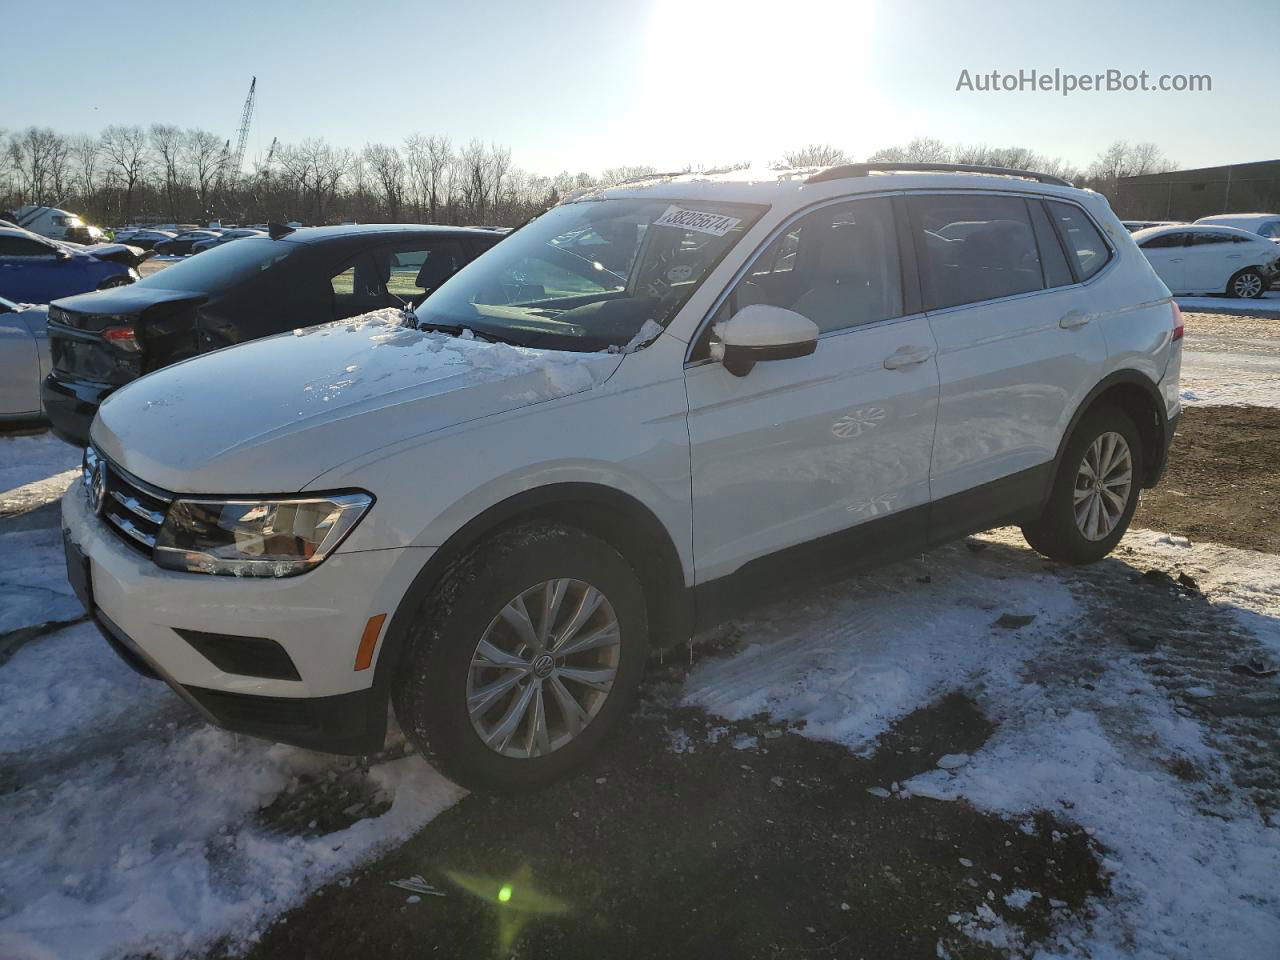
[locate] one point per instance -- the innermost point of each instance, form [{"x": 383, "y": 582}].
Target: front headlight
[{"x": 256, "y": 538}]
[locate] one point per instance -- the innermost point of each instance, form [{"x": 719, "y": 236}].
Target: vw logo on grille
[{"x": 97, "y": 489}]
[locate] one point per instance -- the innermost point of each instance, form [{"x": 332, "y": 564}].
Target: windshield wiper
[{"x": 455, "y": 329}]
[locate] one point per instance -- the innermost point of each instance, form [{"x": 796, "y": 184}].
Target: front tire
[
  {"x": 1095, "y": 491},
  {"x": 523, "y": 658},
  {"x": 1247, "y": 285}
]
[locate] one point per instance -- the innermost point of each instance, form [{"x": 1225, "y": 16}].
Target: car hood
[
  {"x": 272, "y": 415},
  {"x": 119, "y": 253},
  {"x": 130, "y": 298}
]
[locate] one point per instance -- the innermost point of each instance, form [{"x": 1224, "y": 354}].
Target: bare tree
[
  {"x": 626, "y": 172},
  {"x": 474, "y": 161},
  {"x": 32, "y": 156},
  {"x": 169, "y": 144},
  {"x": 389, "y": 170},
  {"x": 918, "y": 150},
  {"x": 202, "y": 153},
  {"x": 125, "y": 150},
  {"x": 814, "y": 155}
]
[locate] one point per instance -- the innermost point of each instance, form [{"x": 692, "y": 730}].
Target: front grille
[{"x": 134, "y": 510}]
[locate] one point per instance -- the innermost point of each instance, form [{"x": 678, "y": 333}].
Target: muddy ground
[
  {"x": 782, "y": 851},
  {"x": 1223, "y": 480}
]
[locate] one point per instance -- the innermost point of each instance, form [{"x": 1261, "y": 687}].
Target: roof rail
[{"x": 862, "y": 169}]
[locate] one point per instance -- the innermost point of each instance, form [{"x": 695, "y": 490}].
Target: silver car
[{"x": 24, "y": 360}]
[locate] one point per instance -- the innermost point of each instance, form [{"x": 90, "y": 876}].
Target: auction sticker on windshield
[{"x": 700, "y": 221}]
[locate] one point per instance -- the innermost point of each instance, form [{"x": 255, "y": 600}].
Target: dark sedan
[
  {"x": 240, "y": 291},
  {"x": 200, "y": 246},
  {"x": 181, "y": 245}
]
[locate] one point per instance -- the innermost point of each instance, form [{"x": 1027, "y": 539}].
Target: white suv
[{"x": 645, "y": 410}]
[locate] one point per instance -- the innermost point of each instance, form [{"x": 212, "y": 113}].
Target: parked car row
[{"x": 645, "y": 410}]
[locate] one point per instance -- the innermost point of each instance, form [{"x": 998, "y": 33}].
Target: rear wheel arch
[
  {"x": 1135, "y": 394},
  {"x": 617, "y": 518}
]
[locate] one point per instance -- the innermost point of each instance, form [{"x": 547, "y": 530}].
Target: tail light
[
  {"x": 1179, "y": 325},
  {"x": 122, "y": 337}
]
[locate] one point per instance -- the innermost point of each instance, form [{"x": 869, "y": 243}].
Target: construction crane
[
  {"x": 231, "y": 163},
  {"x": 242, "y": 138}
]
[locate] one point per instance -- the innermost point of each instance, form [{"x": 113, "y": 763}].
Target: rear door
[
  {"x": 827, "y": 453},
  {"x": 1167, "y": 254},
  {"x": 1016, "y": 348},
  {"x": 1210, "y": 261}
]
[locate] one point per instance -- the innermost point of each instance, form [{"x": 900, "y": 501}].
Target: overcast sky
[{"x": 586, "y": 85}]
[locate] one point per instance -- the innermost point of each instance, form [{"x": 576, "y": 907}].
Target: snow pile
[
  {"x": 145, "y": 840},
  {"x": 25, "y": 460},
  {"x": 563, "y": 372}
]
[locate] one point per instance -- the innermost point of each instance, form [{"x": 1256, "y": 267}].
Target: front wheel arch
[{"x": 615, "y": 517}]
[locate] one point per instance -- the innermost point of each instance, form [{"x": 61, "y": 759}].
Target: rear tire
[
  {"x": 1095, "y": 491},
  {"x": 1247, "y": 285},
  {"x": 471, "y": 637}
]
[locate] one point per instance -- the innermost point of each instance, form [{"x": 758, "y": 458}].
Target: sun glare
[{"x": 737, "y": 80}]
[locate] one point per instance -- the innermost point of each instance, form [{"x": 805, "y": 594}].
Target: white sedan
[{"x": 1194, "y": 259}]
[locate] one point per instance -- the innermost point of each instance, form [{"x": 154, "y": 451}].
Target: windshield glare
[
  {"x": 221, "y": 266},
  {"x": 586, "y": 276}
]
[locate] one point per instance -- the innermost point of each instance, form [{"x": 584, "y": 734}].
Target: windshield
[
  {"x": 221, "y": 266},
  {"x": 586, "y": 276}
]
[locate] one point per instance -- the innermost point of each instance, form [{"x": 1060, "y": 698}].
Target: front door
[{"x": 828, "y": 453}]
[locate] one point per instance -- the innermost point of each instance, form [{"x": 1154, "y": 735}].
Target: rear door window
[
  {"x": 1165, "y": 240},
  {"x": 22, "y": 247},
  {"x": 1082, "y": 239},
  {"x": 973, "y": 248}
]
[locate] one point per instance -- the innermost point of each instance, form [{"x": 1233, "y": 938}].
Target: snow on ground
[
  {"x": 152, "y": 845},
  {"x": 25, "y": 460},
  {"x": 1246, "y": 581},
  {"x": 1192, "y": 870},
  {"x": 33, "y": 581},
  {"x": 1268, "y": 305},
  {"x": 1230, "y": 379},
  {"x": 851, "y": 660}
]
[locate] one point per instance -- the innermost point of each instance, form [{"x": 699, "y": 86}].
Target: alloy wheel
[
  {"x": 543, "y": 668},
  {"x": 1247, "y": 285},
  {"x": 1104, "y": 482}
]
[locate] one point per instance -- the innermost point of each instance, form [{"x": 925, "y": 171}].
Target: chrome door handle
[
  {"x": 1072, "y": 319},
  {"x": 907, "y": 357},
  {"x": 1176, "y": 260},
  {"x": 1234, "y": 256}
]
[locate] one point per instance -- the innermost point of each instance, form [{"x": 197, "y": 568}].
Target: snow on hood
[{"x": 274, "y": 414}]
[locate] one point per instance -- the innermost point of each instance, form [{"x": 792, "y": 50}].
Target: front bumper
[
  {"x": 149, "y": 616},
  {"x": 71, "y": 407}
]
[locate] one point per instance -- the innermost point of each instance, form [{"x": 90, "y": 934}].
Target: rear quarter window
[{"x": 1083, "y": 241}]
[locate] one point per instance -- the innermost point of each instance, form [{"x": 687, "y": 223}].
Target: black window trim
[
  {"x": 908, "y": 270},
  {"x": 1066, "y": 246}
]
